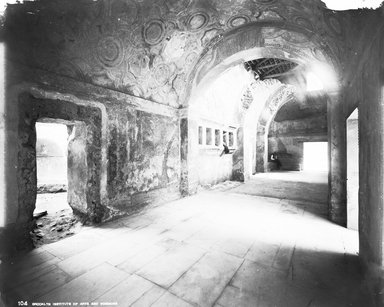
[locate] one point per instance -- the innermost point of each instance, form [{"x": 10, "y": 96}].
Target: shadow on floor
[{"x": 216, "y": 248}]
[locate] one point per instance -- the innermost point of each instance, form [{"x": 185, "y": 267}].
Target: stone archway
[
  {"x": 281, "y": 96},
  {"x": 241, "y": 44},
  {"x": 257, "y": 40},
  {"x": 251, "y": 41}
]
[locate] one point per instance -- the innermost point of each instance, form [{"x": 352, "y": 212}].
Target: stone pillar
[
  {"x": 238, "y": 157},
  {"x": 337, "y": 175},
  {"x": 77, "y": 168},
  {"x": 371, "y": 175},
  {"x": 261, "y": 149},
  {"x": 18, "y": 157},
  {"x": 188, "y": 152}
]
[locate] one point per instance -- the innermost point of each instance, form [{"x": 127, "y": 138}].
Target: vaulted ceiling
[{"x": 311, "y": 106}]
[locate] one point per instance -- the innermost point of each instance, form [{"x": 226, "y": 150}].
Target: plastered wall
[{"x": 364, "y": 89}]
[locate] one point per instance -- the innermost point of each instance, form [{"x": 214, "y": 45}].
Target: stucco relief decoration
[
  {"x": 176, "y": 6},
  {"x": 197, "y": 21},
  {"x": 162, "y": 74},
  {"x": 333, "y": 24},
  {"x": 127, "y": 44},
  {"x": 110, "y": 51},
  {"x": 154, "y": 32},
  {"x": 211, "y": 36},
  {"x": 285, "y": 94},
  {"x": 160, "y": 84},
  {"x": 303, "y": 22},
  {"x": 176, "y": 46},
  {"x": 238, "y": 20},
  {"x": 285, "y": 38},
  {"x": 247, "y": 99},
  {"x": 265, "y": 1},
  {"x": 139, "y": 64}
]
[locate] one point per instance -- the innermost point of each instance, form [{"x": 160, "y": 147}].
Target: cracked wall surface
[
  {"x": 138, "y": 63},
  {"x": 148, "y": 48}
]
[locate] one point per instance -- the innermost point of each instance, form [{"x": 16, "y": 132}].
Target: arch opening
[{"x": 248, "y": 111}]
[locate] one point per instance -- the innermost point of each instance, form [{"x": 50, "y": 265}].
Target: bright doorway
[
  {"x": 353, "y": 171},
  {"x": 315, "y": 156},
  {"x": 54, "y": 217}
]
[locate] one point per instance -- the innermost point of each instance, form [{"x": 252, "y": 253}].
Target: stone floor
[
  {"x": 217, "y": 248},
  {"x": 294, "y": 176}
]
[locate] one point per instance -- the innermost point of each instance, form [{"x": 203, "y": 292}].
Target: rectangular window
[
  {"x": 217, "y": 137},
  {"x": 200, "y": 135},
  {"x": 225, "y": 137},
  {"x": 208, "y": 136},
  {"x": 231, "y": 143}
]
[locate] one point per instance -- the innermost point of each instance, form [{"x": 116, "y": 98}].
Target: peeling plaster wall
[
  {"x": 148, "y": 48},
  {"x": 144, "y": 156},
  {"x": 154, "y": 49},
  {"x": 132, "y": 145},
  {"x": 136, "y": 62}
]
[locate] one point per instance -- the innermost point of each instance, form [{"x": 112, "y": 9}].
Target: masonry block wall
[{"x": 364, "y": 89}]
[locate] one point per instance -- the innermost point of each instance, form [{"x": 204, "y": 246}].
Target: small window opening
[
  {"x": 231, "y": 140},
  {"x": 217, "y": 137},
  {"x": 225, "y": 137},
  {"x": 209, "y": 136},
  {"x": 200, "y": 135}
]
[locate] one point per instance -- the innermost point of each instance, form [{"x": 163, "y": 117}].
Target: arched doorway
[{"x": 284, "y": 42}]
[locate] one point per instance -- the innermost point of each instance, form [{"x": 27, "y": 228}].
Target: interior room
[{"x": 191, "y": 153}]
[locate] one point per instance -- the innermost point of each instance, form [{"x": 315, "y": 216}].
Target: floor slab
[
  {"x": 222, "y": 247},
  {"x": 206, "y": 280}
]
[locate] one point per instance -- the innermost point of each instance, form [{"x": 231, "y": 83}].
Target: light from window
[
  {"x": 200, "y": 135},
  {"x": 225, "y": 137},
  {"x": 230, "y": 139},
  {"x": 217, "y": 137},
  {"x": 208, "y": 136}
]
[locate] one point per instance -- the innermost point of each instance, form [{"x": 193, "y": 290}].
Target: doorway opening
[
  {"x": 51, "y": 157},
  {"x": 353, "y": 171},
  {"x": 315, "y": 157},
  {"x": 54, "y": 217}
]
